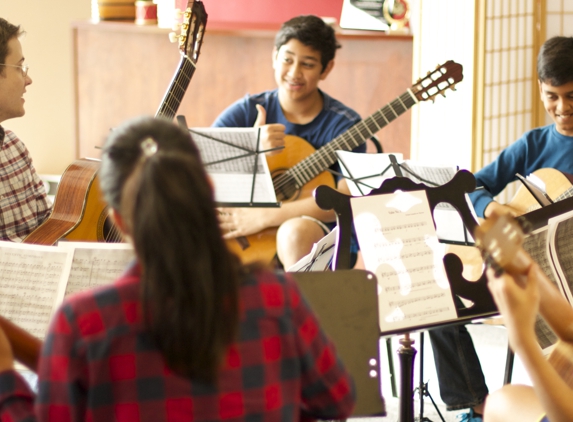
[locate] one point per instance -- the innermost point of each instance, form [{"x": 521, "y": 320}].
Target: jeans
[{"x": 460, "y": 377}]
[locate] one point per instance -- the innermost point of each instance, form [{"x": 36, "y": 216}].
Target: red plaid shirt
[
  {"x": 98, "y": 364},
  {"x": 23, "y": 203}
]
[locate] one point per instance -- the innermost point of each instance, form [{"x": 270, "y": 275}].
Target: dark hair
[
  {"x": 189, "y": 278},
  {"x": 312, "y": 31},
  {"x": 7, "y": 32},
  {"x": 555, "y": 61}
]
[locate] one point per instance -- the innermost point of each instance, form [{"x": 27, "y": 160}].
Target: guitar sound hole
[
  {"x": 106, "y": 230},
  {"x": 285, "y": 187}
]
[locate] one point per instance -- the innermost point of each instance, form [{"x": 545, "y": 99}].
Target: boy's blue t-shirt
[{"x": 539, "y": 148}]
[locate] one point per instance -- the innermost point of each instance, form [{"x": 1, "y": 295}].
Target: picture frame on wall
[{"x": 363, "y": 14}]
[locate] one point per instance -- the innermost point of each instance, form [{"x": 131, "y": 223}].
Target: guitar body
[
  {"x": 262, "y": 246},
  {"x": 79, "y": 212},
  {"x": 557, "y": 185}
]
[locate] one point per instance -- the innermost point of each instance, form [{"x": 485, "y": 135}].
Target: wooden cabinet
[{"x": 123, "y": 70}]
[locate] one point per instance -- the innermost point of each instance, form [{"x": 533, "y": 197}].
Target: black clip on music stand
[{"x": 476, "y": 292}]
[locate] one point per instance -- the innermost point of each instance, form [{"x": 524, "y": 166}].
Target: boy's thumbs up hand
[{"x": 272, "y": 135}]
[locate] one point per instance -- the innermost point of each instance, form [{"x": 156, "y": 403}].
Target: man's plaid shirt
[
  {"x": 23, "y": 203},
  {"x": 98, "y": 364}
]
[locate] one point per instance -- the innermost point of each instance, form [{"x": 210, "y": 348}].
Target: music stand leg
[{"x": 406, "y": 354}]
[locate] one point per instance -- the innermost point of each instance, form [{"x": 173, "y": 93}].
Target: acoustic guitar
[
  {"x": 79, "y": 212},
  {"x": 558, "y": 186},
  {"x": 500, "y": 239},
  {"x": 299, "y": 168}
]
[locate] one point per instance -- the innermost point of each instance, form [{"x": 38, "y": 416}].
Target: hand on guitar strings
[
  {"x": 518, "y": 303},
  {"x": 272, "y": 135},
  {"x": 236, "y": 222}
]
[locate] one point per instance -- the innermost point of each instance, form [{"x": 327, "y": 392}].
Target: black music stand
[
  {"x": 477, "y": 292},
  {"x": 223, "y": 154},
  {"x": 346, "y": 305}
]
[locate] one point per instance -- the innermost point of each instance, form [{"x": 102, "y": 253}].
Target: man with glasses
[{"x": 23, "y": 201}]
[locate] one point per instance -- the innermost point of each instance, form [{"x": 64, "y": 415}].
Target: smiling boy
[
  {"x": 23, "y": 203},
  {"x": 303, "y": 56},
  {"x": 461, "y": 380},
  {"x": 545, "y": 147}
]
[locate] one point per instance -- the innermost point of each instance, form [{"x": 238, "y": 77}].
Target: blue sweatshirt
[{"x": 543, "y": 147}]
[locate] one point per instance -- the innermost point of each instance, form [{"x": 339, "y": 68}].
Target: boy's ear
[{"x": 327, "y": 70}]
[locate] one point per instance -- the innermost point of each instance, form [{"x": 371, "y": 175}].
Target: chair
[{"x": 453, "y": 193}]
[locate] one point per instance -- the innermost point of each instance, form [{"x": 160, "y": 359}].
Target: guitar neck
[
  {"x": 323, "y": 158},
  {"x": 26, "y": 347},
  {"x": 177, "y": 87}
]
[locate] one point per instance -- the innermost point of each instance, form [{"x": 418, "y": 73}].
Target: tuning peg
[
  {"x": 453, "y": 88},
  {"x": 176, "y": 26},
  {"x": 173, "y": 37},
  {"x": 443, "y": 94},
  {"x": 178, "y": 13}
]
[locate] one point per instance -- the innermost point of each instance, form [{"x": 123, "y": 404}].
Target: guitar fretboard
[
  {"x": 176, "y": 91},
  {"x": 320, "y": 160}
]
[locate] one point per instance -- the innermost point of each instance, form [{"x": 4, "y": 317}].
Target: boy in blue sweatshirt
[{"x": 462, "y": 383}]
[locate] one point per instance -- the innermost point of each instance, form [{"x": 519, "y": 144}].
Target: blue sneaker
[{"x": 471, "y": 416}]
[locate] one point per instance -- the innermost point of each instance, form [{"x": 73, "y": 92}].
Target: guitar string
[
  {"x": 361, "y": 130},
  {"x": 173, "y": 101}
]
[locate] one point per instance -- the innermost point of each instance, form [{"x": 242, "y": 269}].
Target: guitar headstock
[
  {"x": 192, "y": 30},
  {"x": 500, "y": 239},
  {"x": 444, "y": 77}
]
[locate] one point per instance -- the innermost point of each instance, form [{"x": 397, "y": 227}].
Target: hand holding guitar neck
[{"x": 500, "y": 239}]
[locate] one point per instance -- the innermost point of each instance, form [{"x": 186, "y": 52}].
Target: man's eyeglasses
[{"x": 23, "y": 67}]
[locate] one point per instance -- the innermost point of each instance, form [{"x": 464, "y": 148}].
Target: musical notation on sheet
[{"x": 399, "y": 244}]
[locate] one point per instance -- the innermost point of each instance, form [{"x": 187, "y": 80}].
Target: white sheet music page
[
  {"x": 230, "y": 158},
  {"x": 94, "y": 264},
  {"x": 399, "y": 244},
  {"x": 29, "y": 282}
]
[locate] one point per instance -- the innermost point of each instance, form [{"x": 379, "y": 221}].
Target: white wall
[
  {"x": 47, "y": 129},
  {"x": 442, "y": 131}
]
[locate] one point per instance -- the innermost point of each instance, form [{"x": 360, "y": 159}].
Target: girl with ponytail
[{"x": 188, "y": 332}]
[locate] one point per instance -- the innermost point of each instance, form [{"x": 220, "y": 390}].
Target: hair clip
[{"x": 149, "y": 147}]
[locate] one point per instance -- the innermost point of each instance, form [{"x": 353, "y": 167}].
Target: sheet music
[
  {"x": 94, "y": 264},
  {"x": 399, "y": 245},
  {"x": 537, "y": 246},
  {"x": 29, "y": 282},
  {"x": 560, "y": 243},
  {"x": 320, "y": 256},
  {"x": 233, "y": 163}
]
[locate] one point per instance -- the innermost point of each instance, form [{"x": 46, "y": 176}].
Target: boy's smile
[{"x": 558, "y": 102}]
